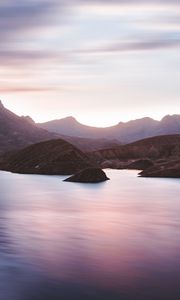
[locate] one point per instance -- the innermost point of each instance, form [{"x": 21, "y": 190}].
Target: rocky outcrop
[
  {"x": 170, "y": 169},
  {"x": 152, "y": 148},
  {"x": 140, "y": 164},
  {"x": 89, "y": 175},
  {"x": 157, "y": 157},
  {"x": 55, "y": 157}
]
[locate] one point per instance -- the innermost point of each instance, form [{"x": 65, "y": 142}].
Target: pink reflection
[
  {"x": 106, "y": 248},
  {"x": 111, "y": 235}
]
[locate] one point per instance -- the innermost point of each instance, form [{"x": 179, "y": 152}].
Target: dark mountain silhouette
[
  {"x": 17, "y": 132},
  {"x": 124, "y": 132},
  {"x": 54, "y": 157}
]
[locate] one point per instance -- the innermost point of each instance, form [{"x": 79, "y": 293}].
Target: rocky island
[{"x": 89, "y": 175}]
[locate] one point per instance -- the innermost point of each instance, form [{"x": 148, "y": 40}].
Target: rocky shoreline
[{"x": 154, "y": 157}]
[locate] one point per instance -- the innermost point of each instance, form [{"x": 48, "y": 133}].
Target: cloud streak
[
  {"x": 23, "y": 27},
  {"x": 21, "y": 16},
  {"x": 25, "y": 42},
  {"x": 130, "y": 2},
  {"x": 26, "y": 89},
  {"x": 18, "y": 18},
  {"x": 138, "y": 45},
  {"x": 22, "y": 58}
]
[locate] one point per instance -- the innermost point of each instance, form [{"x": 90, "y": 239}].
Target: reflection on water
[{"x": 115, "y": 240}]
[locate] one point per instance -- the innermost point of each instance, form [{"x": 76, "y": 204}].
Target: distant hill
[
  {"x": 126, "y": 132},
  {"x": 90, "y": 144},
  {"x": 54, "y": 157},
  {"x": 159, "y": 147}
]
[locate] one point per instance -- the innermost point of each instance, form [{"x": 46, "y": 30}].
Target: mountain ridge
[
  {"x": 124, "y": 132},
  {"x": 17, "y": 132}
]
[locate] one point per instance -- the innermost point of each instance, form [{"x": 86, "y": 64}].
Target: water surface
[{"x": 110, "y": 241}]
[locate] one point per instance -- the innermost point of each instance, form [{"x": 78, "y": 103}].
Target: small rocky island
[{"x": 88, "y": 175}]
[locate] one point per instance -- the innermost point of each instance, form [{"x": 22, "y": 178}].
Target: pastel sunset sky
[{"x": 100, "y": 61}]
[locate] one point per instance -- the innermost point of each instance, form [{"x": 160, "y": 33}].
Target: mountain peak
[
  {"x": 171, "y": 118},
  {"x": 28, "y": 119},
  {"x": 71, "y": 118}
]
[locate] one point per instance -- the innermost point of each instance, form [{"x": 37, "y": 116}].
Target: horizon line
[{"x": 89, "y": 125}]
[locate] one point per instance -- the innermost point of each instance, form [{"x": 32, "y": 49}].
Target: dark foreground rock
[
  {"x": 89, "y": 175},
  {"x": 140, "y": 164},
  {"x": 55, "y": 157},
  {"x": 170, "y": 169}
]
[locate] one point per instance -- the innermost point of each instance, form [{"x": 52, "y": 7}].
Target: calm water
[{"x": 115, "y": 240}]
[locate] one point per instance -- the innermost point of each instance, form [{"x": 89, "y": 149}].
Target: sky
[{"x": 97, "y": 60}]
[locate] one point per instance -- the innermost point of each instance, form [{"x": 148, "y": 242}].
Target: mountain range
[
  {"x": 18, "y": 132},
  {"x": 124, "y": 132},
  {"x": 40, "y": 151}
]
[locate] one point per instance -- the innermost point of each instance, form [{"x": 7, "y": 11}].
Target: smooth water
[{"x": 115, "y": 240}]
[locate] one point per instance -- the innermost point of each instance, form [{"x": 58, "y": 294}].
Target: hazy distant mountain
[
  {"x": 90, "y": 144},
  {"x": 126, "y": 132},
  {"x": 169, "y": 125}
]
